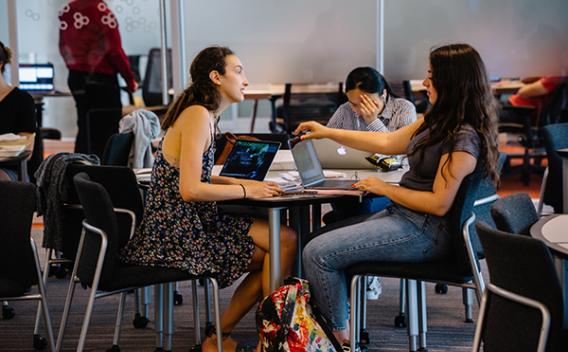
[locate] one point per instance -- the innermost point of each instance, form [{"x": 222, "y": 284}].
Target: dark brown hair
[
  {"x": 202, "y": 90},
  {"x": 5, "y": 57},
  {"x": 464, "y": 97}
]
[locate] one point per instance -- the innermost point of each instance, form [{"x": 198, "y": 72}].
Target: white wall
[
  {"x": 515, "y": 37},
  {"x": 287, "y": 41}
]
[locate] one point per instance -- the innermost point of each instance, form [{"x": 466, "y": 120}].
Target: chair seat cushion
[
  {"x": 126, "y": 276},
  {"x": 424, "y": 271},
  {"x": 11, "y": 288}
]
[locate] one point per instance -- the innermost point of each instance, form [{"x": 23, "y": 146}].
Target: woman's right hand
[
  {"x": 262, "y": 190},
  {"x": 316, "y": 130}
]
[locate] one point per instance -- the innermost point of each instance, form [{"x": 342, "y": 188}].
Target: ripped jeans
[{"x": 394, "y": 234}]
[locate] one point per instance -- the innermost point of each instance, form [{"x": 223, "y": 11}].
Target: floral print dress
[{"x": 190, "y": 236}]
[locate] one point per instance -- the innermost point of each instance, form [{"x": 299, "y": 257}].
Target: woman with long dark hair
[
  {"x": 182, "y": 226},
  {"x": 456, "y": 136}
]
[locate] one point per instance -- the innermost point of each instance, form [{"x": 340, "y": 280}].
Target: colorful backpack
[{"x": 286, "y": 321}]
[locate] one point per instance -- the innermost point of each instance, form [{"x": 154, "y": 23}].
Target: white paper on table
[{"x": 10, "y": 137}]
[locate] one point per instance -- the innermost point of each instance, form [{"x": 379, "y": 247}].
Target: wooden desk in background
[
  {"x": 500, "y": 87},
  {"x": 272, "y": 92}
]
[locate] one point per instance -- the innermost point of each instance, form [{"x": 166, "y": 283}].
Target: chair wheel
[
  {"x": 441, "y": 289},
  {"x": 400, "y": 321},
  {"x": 201, "y": 281},
  {"x": 209, "y": 329},
  {"x": 8, "y": 312},
  {"x": 178, "y": 299},
  {"x": 195, "y": 348},
  {"x": 468, "y": 320},
  {"x": 40, "y": 343},
  {"x": 422, "y": 349},
  {"x": 139, "y": 321},
  {"x": 159, "y": 349},
  {"x": 114, "y": 348},
  {"x": 364, "y": 340}
]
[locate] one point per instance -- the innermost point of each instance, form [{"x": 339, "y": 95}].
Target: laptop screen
[
  {"x": 250, "y": 159},
  {"x": 307, "y": 163},
  {"x": 36, "y": 77}
]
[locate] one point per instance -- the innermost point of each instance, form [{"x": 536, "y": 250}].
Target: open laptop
[
  {"x": 333, "y": 155},
  {"x": 250, "y": 159},
  {"x": 310, "y": 170},
  {"x": 36, "y": 78}
]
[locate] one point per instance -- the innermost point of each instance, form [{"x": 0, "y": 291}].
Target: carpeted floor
[{"x": 447, "y": 329}]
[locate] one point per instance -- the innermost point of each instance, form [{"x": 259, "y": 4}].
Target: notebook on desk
[
  {"x": 250, "y": 159},
  {"x": 310, "y": 170},
  {"x": 333, "y": 155}
]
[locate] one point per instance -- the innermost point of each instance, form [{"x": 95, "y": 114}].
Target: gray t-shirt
[{"x": 423, "y": 167}]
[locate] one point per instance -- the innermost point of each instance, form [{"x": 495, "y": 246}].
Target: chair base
[
  {"x": 140, "y": 322},
  {"x": 8, "y": 312},
  {"x": 40, "y": 343},
  {"x": 400, "y": 321}
]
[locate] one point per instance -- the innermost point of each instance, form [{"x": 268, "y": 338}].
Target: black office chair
[
  {"x": 421, "y": 104},
  {"x": 152, "y": 82},
  {"x": 97, "y": 262},
  {"x": 460, "y": 268},
  {"x": 514, "y": 214},
  {"x": 298, "y": 106},
  {"x": 117, "y": 149},
  {"x": 19, "y": 262},
  {"x": 555, "y": 137},
  {"x": 522, "y": 306},
  {"x": 101, "y": 124}
]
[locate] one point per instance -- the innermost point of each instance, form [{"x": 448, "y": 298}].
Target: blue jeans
[{"x": 396, "y": 234}]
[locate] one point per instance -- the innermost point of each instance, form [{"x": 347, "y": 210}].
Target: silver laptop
[
  {"x": 333, "y": 155},
  {"x": 310, "y": 170}
]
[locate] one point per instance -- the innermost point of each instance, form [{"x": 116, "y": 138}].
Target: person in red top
[
  {"x": 89, "y": 41},
  {"x": 535, "y": 93}
]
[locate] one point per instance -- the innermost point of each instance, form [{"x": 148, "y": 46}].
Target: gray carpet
[{"x": 447, "y": 330}]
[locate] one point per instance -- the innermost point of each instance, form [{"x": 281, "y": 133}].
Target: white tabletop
[{"x": 556, "y": 230}]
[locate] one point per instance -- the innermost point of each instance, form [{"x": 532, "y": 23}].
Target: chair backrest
[
  {"x": 483, "y": 212},
  {"x": 420, "y": 104},
  {"x": 101, "y": 124},
  {"x": 119, "y": 181},
  {"x": 302, "y": 106},
  {"x": 555, "y": 137},
  {"x": 117, "y": 149},
  {"x": 17, "y": 205},
  {"x": 152, "y": 82},
  {"x": 524, "y": 266},
  {"x": 99, "y": 213},
  {"x": 515, "y": 214}
]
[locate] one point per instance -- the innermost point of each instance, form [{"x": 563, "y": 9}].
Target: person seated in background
[
  {"x": 371, "y": 106},
  {"x": 183, "y": 227},
  {"x": 535, "y": 93},
  {"x": 456, "y": 137},
  {"x": 17, "y": 111}
]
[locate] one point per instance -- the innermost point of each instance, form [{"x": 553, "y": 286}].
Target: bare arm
[
  {"x": 195, "y": 140},
  {"x": 440, "y": 200},
  {"x": 376, "y": 142},
  {"x": 531, "y": 90}
]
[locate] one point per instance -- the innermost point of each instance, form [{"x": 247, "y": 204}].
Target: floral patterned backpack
[{"x": 286, "y": 321}]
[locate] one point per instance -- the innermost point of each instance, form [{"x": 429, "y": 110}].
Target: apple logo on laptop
[{"x": 341, "y": 150}]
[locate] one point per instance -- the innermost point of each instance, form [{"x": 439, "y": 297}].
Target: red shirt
[
  {"x": 549, "y": 83},
  {"x": 89, "y": 40}
]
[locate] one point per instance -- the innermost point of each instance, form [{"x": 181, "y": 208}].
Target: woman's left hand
[{"x": 372, "y": 185}]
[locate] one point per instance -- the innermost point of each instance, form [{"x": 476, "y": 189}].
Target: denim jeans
[{"x": 396, "y": 234}]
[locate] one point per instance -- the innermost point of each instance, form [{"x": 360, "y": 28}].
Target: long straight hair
[
  {"x": 202, "y": 90},
  {"x": 464, "y": 97}
]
